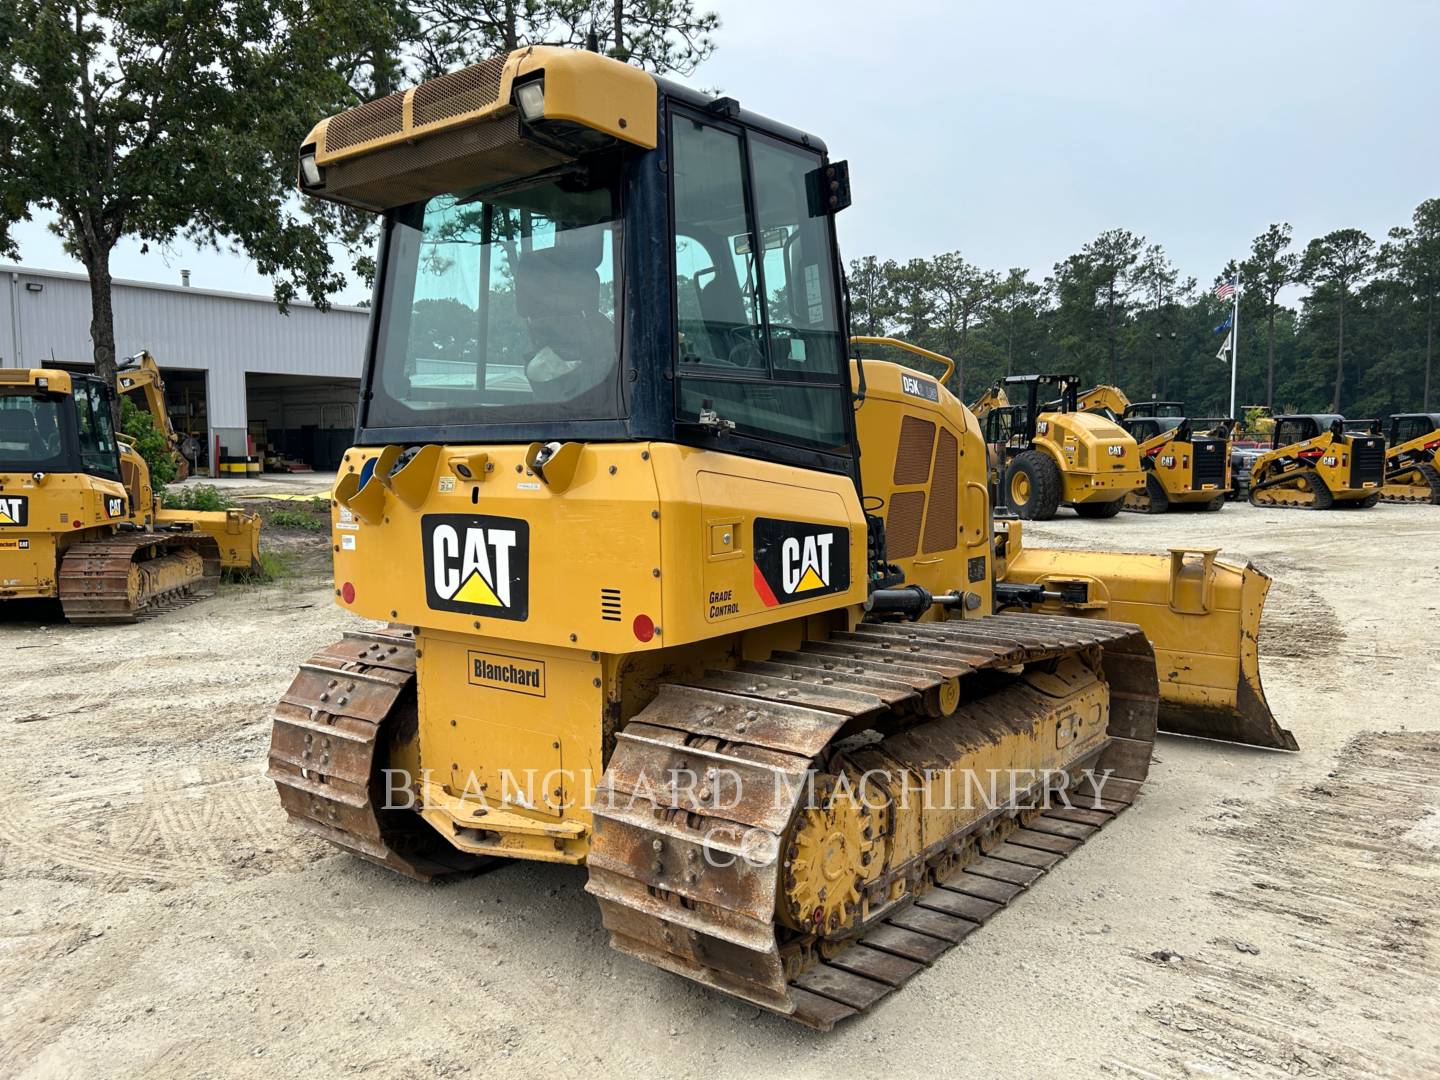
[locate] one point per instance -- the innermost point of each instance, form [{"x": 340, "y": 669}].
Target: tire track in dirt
[{"x": 1342, "y": 873}]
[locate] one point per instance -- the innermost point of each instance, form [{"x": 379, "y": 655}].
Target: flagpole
[{"x": 1235, "y": 342}]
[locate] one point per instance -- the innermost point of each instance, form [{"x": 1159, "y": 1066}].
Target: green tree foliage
[
  {"x": 1333, "y": 265},
  {"x": 176, "y": 118},
  {"x": 1120, "y": 311},
  {"x": 150, "y": 443},
  {"x": 658, "y": 35},
  {"x": 1269, "y": 269}
]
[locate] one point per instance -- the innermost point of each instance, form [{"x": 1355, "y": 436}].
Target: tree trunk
[
  {"x": 1110, "y": 336},
  {"x": 620, "y": 29},
  {"x": 960, "y": 359},
  {"x": 512, "y": 33},
  {"x": 1429, "y": 347},
  {"x": 1270, "y": 362},
  {"x": 1010, "y": 346},
  {"x": 1339, "y": 356},
  {"x": 102, "y": 322}
]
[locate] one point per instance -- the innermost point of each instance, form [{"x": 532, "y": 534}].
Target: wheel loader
[
  {"x": 1319, "y": 461},
  {"x": 665, "y": 583},
  {"x": 1186, "y": 462},
  {"x": 1049, "y": 453},
  {"x": 79, "y": 519},
  {"x": 1411, "y": 474}
]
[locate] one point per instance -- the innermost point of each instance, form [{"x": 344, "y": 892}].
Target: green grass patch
[
  {"x": 274, "y": 566},
  {"x": 197, "y": 497},
  {"x": 298, "y": 519}
]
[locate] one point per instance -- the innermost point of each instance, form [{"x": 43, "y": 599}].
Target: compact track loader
[
  {"x": 1411, "y": 474},
  {"x": 79, "y": 519},
  {"x": 650, "y": 608},
  {"x": 1049, "y": 453},
  {"x": 1186, "y": 462},
  {"x": 1317, "y": 462}
]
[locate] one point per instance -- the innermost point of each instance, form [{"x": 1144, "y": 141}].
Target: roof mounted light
[
  {"x": 309, "y": 169},
  {"x": 530, "y": 97}
]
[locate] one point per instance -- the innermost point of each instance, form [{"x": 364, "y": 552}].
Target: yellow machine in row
[
  {"x": 1411, "y": 474},
  {"x": 79, "y": 519},
  {"x": 1186, "y": 461},
  {"x": 673, "y": 587},
  {"x": 1047, "y": 453},
  {"x": 1317, "y": 462}
]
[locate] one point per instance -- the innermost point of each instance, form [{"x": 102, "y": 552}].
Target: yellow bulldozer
[
  {"x": 1411, "y": 474},
  {"x": 640, "y": 601},
  {"x": 1318, "y": 461},
  {"x": 1186, "y": 461},
  {"x": 79, "y": 518},
  {"x": 1046, "y": 451}
]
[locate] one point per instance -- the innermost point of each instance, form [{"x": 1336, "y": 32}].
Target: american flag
[{"x": 1225, "y": 289}]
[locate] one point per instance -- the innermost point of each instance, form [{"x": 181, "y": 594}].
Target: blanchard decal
[
  {"x": 921, "y": 388},
  {"x": 477, "y": 564},
  {"x": 114, "y": 506},
  {"x": 14, "y": 545},
  {"x": 799, "y": 560},
  {"x": 14, "y": 510},
  {"x": 512, "y": 673}
]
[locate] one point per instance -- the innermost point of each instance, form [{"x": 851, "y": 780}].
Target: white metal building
[{"x": 238, "y": 373}]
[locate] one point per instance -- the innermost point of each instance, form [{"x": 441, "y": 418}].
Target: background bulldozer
[
  {"x": 1186, "y": 462},
  {"x": 1410, "y": 470},
  {"x": 647, "y": 607},
  {"x": 1047, "y": 453},
  {"x": 1316, "y": 462},
  {"x": 79, "y": 519}
]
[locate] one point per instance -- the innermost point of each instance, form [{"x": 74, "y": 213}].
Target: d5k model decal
[
  {"x": 14, "y": 510},
  {"x": 477, "y": 564},
  {"x": 799, "y": 560}
]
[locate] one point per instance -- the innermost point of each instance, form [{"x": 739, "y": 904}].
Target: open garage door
[{"x": 301, "y": 420}]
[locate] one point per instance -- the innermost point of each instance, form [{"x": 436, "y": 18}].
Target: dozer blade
[
  {"x": 1202, "y": 617},
  {"x": 237, "y": 533}
]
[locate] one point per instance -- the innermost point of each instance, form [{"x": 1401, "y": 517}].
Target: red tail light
[
  {"x": 347, "y": 593},
  {"x": 644, "y": 627}
]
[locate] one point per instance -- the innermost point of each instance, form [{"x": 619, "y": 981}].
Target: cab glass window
[
  {"x": 501, "y": 308},
  {"x": 97, "y": 437},
  {"x": 31, "y": 438},
  {"x": 758, "y": 342}
]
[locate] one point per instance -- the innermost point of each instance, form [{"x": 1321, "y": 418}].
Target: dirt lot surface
[{"x": 159, "y": 917}]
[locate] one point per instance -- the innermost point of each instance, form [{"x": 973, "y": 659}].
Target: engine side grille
[
  {"x": 1367, "y": 460},
  {"x": 902, "y": 524},
  {"x": 942, "y": 525},
  {"x": 1209, "y": 458},
  {"x": 610, "y": 606},
  {"x": 912, "y": 456}
]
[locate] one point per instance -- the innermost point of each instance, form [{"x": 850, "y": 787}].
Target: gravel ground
[{"x": 159, "y": 917}]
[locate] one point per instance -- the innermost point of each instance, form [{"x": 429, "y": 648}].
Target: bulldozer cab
[
  {"x": 55, "y": 422},
  {"x": 676, "y": 281}
]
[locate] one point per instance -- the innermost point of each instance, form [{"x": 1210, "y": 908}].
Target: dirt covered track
[{"x": 1254, "y": 914}]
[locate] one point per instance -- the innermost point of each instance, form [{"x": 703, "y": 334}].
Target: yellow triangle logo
[
  {"x": 6, "y": 519},
  {"x": 477, "y": 591},
  {"x": 811, "y": 580}
]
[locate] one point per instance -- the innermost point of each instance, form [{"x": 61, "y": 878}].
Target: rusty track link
[
  {"x": 122, "y": 577},
  {"x": 328, "y": 747},
  {"x": 667, "y": 899}
]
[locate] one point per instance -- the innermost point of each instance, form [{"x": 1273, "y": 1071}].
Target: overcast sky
[{"x": 1016, "y": 132}]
